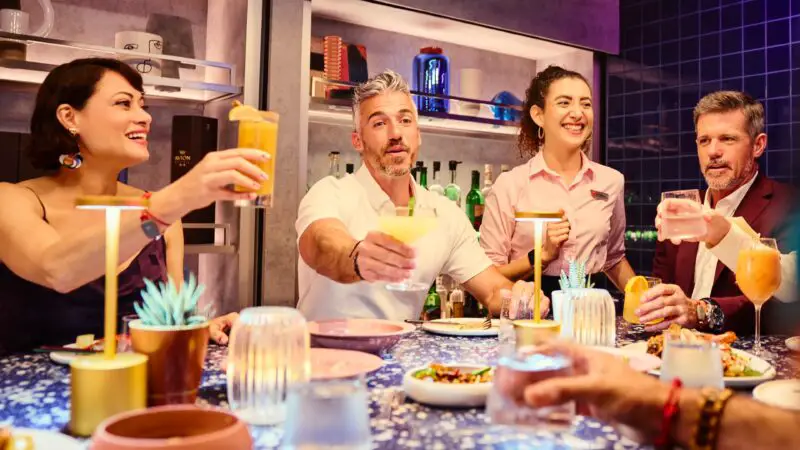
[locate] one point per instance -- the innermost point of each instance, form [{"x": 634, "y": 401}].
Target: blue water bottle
[{"x": 431, "y": 75}]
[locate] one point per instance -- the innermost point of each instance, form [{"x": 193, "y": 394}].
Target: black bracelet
[
  {"x": 355, "y": 260},
  {"x": 532, "y": 257}
]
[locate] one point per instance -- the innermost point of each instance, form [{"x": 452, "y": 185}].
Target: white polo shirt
[{"x": 451, "y": 248}]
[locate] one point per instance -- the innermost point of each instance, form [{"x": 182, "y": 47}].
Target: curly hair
[{"x": 528, "y": 141}]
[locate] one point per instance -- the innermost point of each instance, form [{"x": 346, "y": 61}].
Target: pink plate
[
  {"x": 365, "y": 335},
  {"x": 329, "y": 363},
  {"x": 640, "y": 362}
]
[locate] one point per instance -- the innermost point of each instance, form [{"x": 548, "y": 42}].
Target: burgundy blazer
[{"x": 766, "y": 206}]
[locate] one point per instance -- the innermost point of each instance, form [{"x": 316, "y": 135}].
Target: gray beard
[{"x": 723, "y": 185}]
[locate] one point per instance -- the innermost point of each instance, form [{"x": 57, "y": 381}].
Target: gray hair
[
  {"x": 727, "y": 101},
  {"x": 386, "y": 81}
]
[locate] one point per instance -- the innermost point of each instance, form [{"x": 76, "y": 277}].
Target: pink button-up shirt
[{"x": 593, "y": 204}]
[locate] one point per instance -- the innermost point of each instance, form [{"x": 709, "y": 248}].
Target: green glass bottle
[
  {"x": 432, "y": 309},
  {"x": 423, "y": 177},
  {"x": 475, "y": 201},
  {"x": 452, "y": 190}
]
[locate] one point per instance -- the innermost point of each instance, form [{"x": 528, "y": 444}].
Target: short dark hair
[
  {"x": 528, "y": 140},
  {"x": 73, "y": 84},
  {"x": 727, "y": 101}
]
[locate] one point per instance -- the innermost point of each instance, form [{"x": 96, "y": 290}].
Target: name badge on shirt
[{"x": 597, "y": 195}]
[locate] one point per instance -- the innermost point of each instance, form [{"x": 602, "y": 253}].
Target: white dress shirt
[
  {"x": 705, "y": 266},
  {"x": 451, "y": 248}
]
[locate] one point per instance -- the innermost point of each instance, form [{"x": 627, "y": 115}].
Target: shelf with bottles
[
  {"x": 336, "y": 108},
  {"x": 641, "y": 237},
  {"x": 193, "y": 87}
]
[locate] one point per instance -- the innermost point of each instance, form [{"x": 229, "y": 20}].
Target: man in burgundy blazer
[{"x": 730, "y": 138}]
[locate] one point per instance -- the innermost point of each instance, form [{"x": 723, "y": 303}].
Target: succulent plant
[
  {"x": 577, "y": 277},
  {"x": 164, "y": 305}
]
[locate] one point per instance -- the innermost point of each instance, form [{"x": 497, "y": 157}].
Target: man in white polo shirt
[{"x": 345, "y": 261}]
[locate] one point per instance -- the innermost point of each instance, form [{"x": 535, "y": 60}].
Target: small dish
[
  {"x": 780, "y": 393},
  {"x": 445, "y": 394},
  {"x": 173, "y": 427},
  {"x": 793, "y": 343},
  {"x": 331, "y": 363},
  {"x": 45, "y": 439},
  {"x": 456, "y": 330},
  {"x": 364, "y": 335}
]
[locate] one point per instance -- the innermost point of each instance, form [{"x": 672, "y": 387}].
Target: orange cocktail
[
  {"x": 258, "y": 130},
  {"x": 758, "y": 274}
]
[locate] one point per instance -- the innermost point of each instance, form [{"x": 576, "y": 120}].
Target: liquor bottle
[
  {"x": 432, "y": 309},
  {"x": 457, "y": 303},
  {"x": 415, "y": 171},
  {"x": 334, "y": 167},
  {"x": 452, "y": 191},
  {"x": 423, "y": 177},
  {"x": 487, "y": 180},
  {"x": 470, "y": 305},
  {"x": 504, "y": 168},
  {"x": 475, "y": 201},
  {"x": 436, "y": 185},
  {"x": 442, "y": 291},
  {"x": 349, "y": 167}
]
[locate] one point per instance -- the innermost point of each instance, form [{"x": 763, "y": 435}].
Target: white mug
[
  {"x": 139, "y": 41},
  {"x": 14, "y": 21},
  {"x": 471, "y": 81}
]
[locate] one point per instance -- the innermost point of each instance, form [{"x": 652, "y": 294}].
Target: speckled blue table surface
[{"x": 34, "y": 393}]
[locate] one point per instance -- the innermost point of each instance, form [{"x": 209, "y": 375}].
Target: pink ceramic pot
[
  {"x": 173, "y": 427},
  {"x": 365, "y": 335}
]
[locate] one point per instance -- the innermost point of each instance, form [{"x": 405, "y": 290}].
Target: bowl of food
[
  {"x": 449, "y": 385},
  {"x": 364, "y": 335}
]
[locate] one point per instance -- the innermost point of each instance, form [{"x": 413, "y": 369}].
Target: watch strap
[{"x": 715, "y": 317}]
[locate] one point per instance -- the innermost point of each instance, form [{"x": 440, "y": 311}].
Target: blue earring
[{"x": 71, "y": 161}]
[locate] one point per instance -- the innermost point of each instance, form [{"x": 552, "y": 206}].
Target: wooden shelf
[{"x": 34, "y": 72}]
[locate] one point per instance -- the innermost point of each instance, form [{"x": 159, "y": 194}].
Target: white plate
[
  {"x": 455, "y": 330},
  {"x": 49, "y": 440},
  {"x": 780, "y": 393},
  {"x": 793, "y": 343},
  {"x": 640, "y": 362},
  {"x": 756, "y": 363},
  {"x": 65, "y": 358},
  {"x": 447, "y": 395}
]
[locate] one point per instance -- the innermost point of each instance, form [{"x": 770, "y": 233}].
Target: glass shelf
[
  {"x": 339, "y": 111},
  {"x": 194, "y": 86}
]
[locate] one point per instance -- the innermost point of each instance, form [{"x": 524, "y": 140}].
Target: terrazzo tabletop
[{"x": 34, "y": 393}]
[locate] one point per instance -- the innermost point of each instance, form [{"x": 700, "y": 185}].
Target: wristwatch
[
  {"x": 709, "y": 315},
  {"x": 532, "y": 257}
]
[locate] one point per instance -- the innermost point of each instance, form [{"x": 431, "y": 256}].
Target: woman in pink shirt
[{"x": 556, "y": 133}]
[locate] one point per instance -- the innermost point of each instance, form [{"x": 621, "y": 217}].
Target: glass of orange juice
[
  {"x": 633, "y": 297},
  {"x": 758, "y": 274},
  {"x": 258, "y": 130},
  {"x": 407, "y": 225}
]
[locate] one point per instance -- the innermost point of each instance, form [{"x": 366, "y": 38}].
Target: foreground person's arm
[
  {"x": 617, "y": 394},
  {"x": 35, "y": 251}
]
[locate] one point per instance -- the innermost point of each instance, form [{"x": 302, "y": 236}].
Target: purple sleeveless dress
[{"x": 32, "y": 315}]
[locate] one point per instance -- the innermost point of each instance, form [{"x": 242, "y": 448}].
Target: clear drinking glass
[
  {"x": 521, "y": 367},
  {"x": 683, "y": 216},
  {"x": 124, "y": 340},
  {"x": 758, "y": 274},
  {"x": 698, "y": 364},
  {"x": 268, "y": 353},
  {"x": 511, "y": 310},
  {"x": 407, "y": 225},
  {"x": 330, "y": 414}
]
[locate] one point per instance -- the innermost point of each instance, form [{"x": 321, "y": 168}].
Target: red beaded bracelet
[
  {"x": 147, "y": 215},
  {"x": 671, "y": 408}
]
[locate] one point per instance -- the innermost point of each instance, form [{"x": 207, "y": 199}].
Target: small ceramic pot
[
  {"x": 173, "y": 427},
  {"x": 175, "y": 360}
]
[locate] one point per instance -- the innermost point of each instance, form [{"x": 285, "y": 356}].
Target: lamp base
[
  {"x": 531, "y": 332},
  {"x": 104, "y": 387}
]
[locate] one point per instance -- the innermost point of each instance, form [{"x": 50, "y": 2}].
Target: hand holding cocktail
[{"x": 382, "y": 257}]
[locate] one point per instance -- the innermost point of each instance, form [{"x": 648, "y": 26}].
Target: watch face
[{"x": 150, "y": 229}]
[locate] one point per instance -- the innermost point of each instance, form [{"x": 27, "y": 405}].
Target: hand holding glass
[
  {"x": 634, "y": 298},
  {"x": 681, "y": 215},
  {"x": 258, "y": 130},
  {"x": 407, "y": 225},
  {"x": 758, "y": 274}
]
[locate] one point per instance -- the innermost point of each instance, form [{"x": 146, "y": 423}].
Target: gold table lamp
[
  {"x": 530, "y": 331},
  {"x": 109, "y": 383}
]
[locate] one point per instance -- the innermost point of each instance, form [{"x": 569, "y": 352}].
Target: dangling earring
[
  {"x": 71, "y": 161},
  {"x": 540, "y": 134}
]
